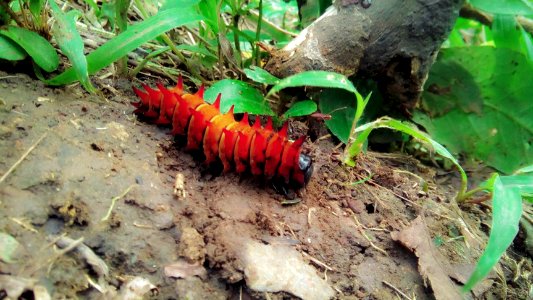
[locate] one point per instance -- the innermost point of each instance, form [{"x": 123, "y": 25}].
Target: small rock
[
  {"x": 192, "y": 245},
  {"x": 357, "y": 206},
  {"x": 164, "y": 220},
  {"x": 274, "y": 268}
]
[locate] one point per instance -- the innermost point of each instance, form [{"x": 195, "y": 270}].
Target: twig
[
  {"x": 318, "y": 262},
  {"x": 113, "y": 201},
  {"x": 361, "y": 229},
  {"x": 25, "y": 224},
  {"x": 470, "y": 12},
  {"x": 98, "y": 265},
  {"x": 397, "y": 290},
  {"x": 50, "y": 261},
  {"x": 22, "y": 158}
]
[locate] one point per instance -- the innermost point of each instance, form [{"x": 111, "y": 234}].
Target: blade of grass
[
  {"x": 385, "y": 122},
  {"x": 133, "y": 37},
  {"x": 506, "y": 213},
  {"x": 69, "y": 40},
  {"x": 40, "y": 50}
]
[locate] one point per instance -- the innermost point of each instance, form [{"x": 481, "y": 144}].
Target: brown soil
[{"x": 94, "y": 149}]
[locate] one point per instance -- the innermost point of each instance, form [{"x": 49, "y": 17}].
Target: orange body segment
[
  {"x": 227, "y": 143},
  {"x": 198, "y": 123},
  {"x": 183, "y": 109},
  {"x": 213, "y": 135},
  {"x": 273, "y": 153}
]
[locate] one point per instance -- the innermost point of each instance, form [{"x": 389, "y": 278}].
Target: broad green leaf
[
  {"x": 8, "y": 247},
  {"x": 70, "y": 42},
  {"x": 9, "y": 50},
  {"x": 314, "y": 78},
  {"x": 300, "y": 108},
  {"x": 500, "y": 132},
  {"x": 385, "y": 122},
  {"x": 260, "y": 75},
  {"x": 341, "y": 105},
  {"x": 40, "y": 50},
  {"x": 238, "y": 93},
  {"x": 135, "y": 36},
  {"x": 508, "y": 7},
  {"x": 506, "y": 213}
]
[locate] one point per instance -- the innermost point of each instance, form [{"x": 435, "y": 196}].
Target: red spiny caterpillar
[{"x": 239, "y": 146}]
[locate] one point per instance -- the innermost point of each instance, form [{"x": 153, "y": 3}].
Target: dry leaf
[
  {"x": 431, "y": 264},
  {"x": 184, "y": 269}
]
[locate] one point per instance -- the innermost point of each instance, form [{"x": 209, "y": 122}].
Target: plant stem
[
  {"x": 236, "y": 39},
  {"x": 258, "y": 35},
  {"x": 121, "y": 16}
]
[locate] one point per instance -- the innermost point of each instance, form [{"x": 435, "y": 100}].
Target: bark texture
[{"x": 393, "y": 42}]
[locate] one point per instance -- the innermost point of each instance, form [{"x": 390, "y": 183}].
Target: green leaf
[
  {"x": 340, "y": 104},
  {"x": 40, "y": 50},
  {"x": 501, "y": 130},
  {"x": 508, "y": 7},
  {"x": 524, "y": 183},
  {"x": 506, "y": 213},
  {"x": 133, "y": 37},
  {"x": 259, "y": 75},
  {"x": 314, "y": 78},
  {"x": 238, "y": 93},
  {"x": 9, "y": 50},
  {"x": 300, "y": 108},
  {"x": 70, "y": 42},
  {"x": 8, "y": 247}
]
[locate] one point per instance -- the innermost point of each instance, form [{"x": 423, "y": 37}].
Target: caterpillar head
[
  {"x": 305, "y": 165},
  {"x": 301, "y": 172}
]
